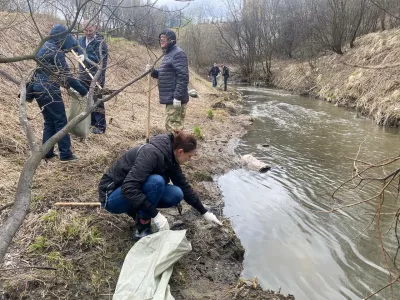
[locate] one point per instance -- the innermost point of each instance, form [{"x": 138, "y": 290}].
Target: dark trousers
[
  {"x": 214, "y": 80},
  {"x": 98, "y": 116},
  {"x": 55, "y": 119},
  {"x": 225, "y": 83},
  {"x": 159, "y": 193}
]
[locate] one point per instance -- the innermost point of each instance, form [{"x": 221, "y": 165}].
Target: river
[{"x": 290, "y": 245}]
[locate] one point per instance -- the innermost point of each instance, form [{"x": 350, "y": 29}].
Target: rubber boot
[{"x": 143, "y": 228}]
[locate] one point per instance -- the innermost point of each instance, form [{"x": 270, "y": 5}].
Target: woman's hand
[
  {"x": 161, "y": 222},
  {"x": 211, "y": 218}
]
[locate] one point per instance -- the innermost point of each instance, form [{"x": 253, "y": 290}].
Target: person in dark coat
[
  {"x": 95, "y": 47},
  {"x": 137, "y": 183},
  {"x": 52, "y": 73},
  {"x": 225, "y": 75},
  {"x": 173, "y": 80},
  {"x": 214, "y": 71}
]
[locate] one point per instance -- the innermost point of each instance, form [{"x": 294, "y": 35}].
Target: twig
[
  {"x": 378, "y": 67},
  {"x": 29, "y": 267},
  {"x": 382, "y": 288},
  {"x": 6, "y": 206}
]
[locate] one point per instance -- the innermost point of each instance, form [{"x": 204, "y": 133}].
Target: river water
[{"x": 290, "y": 246}]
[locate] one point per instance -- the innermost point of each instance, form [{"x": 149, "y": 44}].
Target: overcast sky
[{"x": 210, "y": 5}]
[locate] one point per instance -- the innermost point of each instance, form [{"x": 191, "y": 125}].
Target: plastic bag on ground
[
  {"x": 77, "y": 106},
  {"x": 148, "y": 266}
]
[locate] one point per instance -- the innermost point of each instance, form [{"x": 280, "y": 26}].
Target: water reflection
[{"x": 288, "y": 245}]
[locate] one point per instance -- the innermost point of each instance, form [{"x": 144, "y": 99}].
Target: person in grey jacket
[{"x": 173, "y": 80}]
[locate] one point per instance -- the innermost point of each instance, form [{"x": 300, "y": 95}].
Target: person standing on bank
[
  {"x": 214, "y": 71},
  {"x": 225, "y": 75},
  {"x": 137, "y": 183},
  {"x": 173, "y": 80},
  {"x": 96, "y": 48},
  {"x": 51, "y": 73}
]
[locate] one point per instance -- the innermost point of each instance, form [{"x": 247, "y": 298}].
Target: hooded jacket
[
  {"x": 132, "y": 169},
  {"x": 173, "y": 73},
  {"x": 53, "y": 70},
  {"x": 93, "y": 53}
]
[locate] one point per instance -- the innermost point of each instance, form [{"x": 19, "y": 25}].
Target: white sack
[
  {"x": 148, "y": 266},
  {"x": 254, "y": 164},
  {"x": 77, "y": 105}
]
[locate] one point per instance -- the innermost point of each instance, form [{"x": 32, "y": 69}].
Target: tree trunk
[{"x": 21, "y": 204}]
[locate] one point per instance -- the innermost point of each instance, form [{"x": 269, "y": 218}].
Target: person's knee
[
  {"x": 157, "y": 181},
  {"x": 177, "y": 195}
]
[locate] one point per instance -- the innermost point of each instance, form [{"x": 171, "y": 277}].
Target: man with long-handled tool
[
  {"x": 95, "y": 47},
  {"x": 52, "y": 73}
]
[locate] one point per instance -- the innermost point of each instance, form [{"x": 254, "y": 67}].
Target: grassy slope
[
  {"x": 87, "y": 246},
  {"x": 374, "y": 93}
]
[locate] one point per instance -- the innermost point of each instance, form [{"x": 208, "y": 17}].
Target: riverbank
[
  {"x": 77, "y": 253},
  {"x": 372, "y": 92}
]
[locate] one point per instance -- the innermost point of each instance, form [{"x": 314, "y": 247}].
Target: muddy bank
[{"x": 373, "y": 92}]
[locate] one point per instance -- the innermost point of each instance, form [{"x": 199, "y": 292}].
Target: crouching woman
[{"x": 137, "y": 182}]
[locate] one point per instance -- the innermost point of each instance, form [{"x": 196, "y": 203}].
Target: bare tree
[{"x": 21, "y": 205}]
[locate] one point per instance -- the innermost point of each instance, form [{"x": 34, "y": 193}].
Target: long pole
[
  {"x": 148, "y": 108},
  {"x": 83, "y": 65}
]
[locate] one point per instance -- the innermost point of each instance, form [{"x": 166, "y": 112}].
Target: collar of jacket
[{"x": 169, "y": 48}]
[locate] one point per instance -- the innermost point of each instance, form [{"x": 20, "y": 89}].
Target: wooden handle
[
  {"x": 77, "y": 204},
  {"x": 83, "y": 65},
  {"x": 148, "y": 108}
]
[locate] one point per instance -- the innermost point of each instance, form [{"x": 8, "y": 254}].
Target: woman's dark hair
[{"x": 184, "y": 141}]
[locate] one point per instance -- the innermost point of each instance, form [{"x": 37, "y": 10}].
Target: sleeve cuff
[
  {"x": 149, "y": 208},
  {"x": 199, "y": 207}
]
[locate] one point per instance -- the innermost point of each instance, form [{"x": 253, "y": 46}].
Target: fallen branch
[
  {"x": 29, "y": 267},
  {"x": 77, "y": 204}
]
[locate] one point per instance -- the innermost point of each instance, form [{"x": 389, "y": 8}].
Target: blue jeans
[
  {"x": 214, "y": 81},
  {"x": 159, "y": 193},
  {"x": 55, "y": 119}
]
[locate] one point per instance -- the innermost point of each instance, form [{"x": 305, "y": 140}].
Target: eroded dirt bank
[{"x": 373, "y": 91}]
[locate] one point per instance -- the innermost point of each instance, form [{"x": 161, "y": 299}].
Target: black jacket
[
  {"x": 225, "y": 72},
  {"x": 173, "y": 73},
  {"x": 132, "y": 169},
  {"x": 214, "y": 71}
]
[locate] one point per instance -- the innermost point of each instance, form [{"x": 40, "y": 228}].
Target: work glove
[
  {"x": 177, "y": 103},
  {"x": 161, "y": 222},
  {"x": 74, "y": 93},
  {"x": 149, "y": 67},
  {"x": 81, "y": 58},
  {"x": 211, "y": 218}
]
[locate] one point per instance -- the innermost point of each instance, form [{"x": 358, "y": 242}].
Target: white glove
[
  {"x": 81, "y": 58},
  {"x": 211, "y": 218},
  {"x": 148, "y": 67},
  {"x": 73, "y": 92},
  {"x": 177, "y": 103},
  {"x": 161, "y": 222}
]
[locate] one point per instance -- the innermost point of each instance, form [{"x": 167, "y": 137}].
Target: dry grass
[
  {"x": 374, "y": 93},
  {"x": 87, "y": 246}
]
